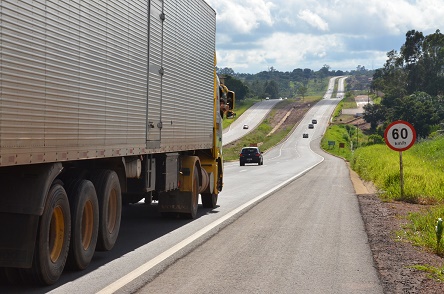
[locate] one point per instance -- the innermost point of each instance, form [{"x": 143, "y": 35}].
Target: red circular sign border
[{"x": 400, "y": 122}]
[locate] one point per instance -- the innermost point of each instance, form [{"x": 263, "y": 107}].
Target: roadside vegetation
[
  {"x": 420, "y": 229},
  {"x": 240, "y": 108},
  {"x": 260, "y": 135},
  {"x": 406, "y": 88},
  {"x": 423, "y": 166}
]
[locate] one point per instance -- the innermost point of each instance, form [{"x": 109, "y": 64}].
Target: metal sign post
[
  {"x": 401, "y": 173},
  {"x": 399, "y": 136}
]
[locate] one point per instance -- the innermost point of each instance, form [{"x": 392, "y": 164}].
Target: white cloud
[
  {"x": 313, "y": 19},
  {"x": 245, "y": 16},
  {"x": 253, "y": 35}
]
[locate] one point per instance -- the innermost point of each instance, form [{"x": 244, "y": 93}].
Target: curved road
[
  {"x": 252, "y": 117},
  {"x": 305, "y": 236},
  {"x": 308, "y": 191}
]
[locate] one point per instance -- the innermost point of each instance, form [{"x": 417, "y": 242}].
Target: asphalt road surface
[
  {"x": 252, "y": 117},
  {"x": 308, "y": 237},
  {"x": 305, "y": 236}
]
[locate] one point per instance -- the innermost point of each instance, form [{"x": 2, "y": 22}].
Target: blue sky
[{"x": 254, "y": 35}]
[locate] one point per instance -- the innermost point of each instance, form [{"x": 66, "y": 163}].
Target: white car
[{"x": 245, "y": 127}]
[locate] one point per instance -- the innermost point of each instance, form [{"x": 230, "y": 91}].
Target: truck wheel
[
  {"x": 84, "y": 223},
  {"x": 110, "y": 208},
  {"x": 52, "y": 243},
  {"x": 194, "y": 196},
  {"x": 209, "y": 200}
]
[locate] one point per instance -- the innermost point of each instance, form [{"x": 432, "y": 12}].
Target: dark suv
[{"x": 250, "y": 155}]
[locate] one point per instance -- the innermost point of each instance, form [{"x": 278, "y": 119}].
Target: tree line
[
  {"x": 411, "y": 84},
  {"x": 274, "y": 83}
]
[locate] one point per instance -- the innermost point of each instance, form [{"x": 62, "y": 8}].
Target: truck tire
[
  {"x": 109, "y": 195},
  {"x": 53, "y": 235},
  {"x": 209, "y": 200},
  {"x": 194, "y": 196},
  {"x": 84, "y": 223}
]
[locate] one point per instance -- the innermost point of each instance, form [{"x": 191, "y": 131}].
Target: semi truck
[{"x": 102, "y": 104}]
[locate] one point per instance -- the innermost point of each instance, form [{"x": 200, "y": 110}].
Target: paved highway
[
  {"x": 321, "y": 212},
  {"x": 306, "y": 236},
  {"x": 252, "y": 117}
]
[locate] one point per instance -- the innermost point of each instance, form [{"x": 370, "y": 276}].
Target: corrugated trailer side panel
[
  {"x": 189, "y": 46},
  {"x": 73, "y": 79}
]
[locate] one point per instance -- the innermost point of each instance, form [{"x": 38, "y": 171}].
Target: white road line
[{"x": 163, "y": 256}]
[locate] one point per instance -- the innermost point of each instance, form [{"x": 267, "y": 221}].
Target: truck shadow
[{"x": 141, "y": 224}]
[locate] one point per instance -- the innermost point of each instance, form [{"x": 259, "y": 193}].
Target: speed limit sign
[{"x": 400, "y": 135}]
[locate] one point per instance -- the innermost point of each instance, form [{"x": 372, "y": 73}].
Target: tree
[
  {"x": 239, "y": 88},
  {"x": 374, "y": 114},
  {"x": 272, "y": 89},
  {"x": 225, "y": 71},
  {"x": 413, "y": 83},
  {"x": 302, "y": 91},
  {"x": 324, "y": 71},
  {"x": 412, "y": 48},
  {"x": 433, "y": 64},
  {"x": 417, "y": 109}
]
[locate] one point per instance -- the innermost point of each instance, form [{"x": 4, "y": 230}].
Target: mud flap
[
  {"x": 177, "y": 202},
  {"x": 17, "y": 234}
]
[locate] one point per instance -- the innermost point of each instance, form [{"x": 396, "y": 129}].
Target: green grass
[
  {"x": 423, "y": 174},
  {"x": 337, "y": 134},
  {"x": 346, "y": 103},
  {"x": 351, "y": 138},
  {"x": 423, "y": 171},
  {"x": 423, "y": 164},
  {"x": 420, "y": 229},
  {"x": 240, "y": 107},
  {"x": 434, "y": 273},
  {"x": 349, "y": 101},
  {"x": 259, "y": 135},
  {"x": 317, "y": 87}
]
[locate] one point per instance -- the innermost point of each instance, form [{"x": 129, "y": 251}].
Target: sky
[{"x": 257, "y": 35}]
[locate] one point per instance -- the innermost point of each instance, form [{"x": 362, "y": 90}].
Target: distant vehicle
[
  {"x": 250, "y": 155},
  {"x": 311, "y": 126},
  {"x": 245, "y": 127},
  {"x": 266, "y": 98},
  {"x": 305, "y": 135},
  {"x": 313, "y": 121}
]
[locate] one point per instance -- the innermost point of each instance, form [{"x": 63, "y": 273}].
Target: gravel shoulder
[{"x": 394, "y": 258}]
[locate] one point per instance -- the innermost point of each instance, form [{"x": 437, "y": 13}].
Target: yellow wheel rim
[
  {"x": 112, "y": 212},
  {"x": 56, "y": 233},
  {"x": 87, "y": 224}
]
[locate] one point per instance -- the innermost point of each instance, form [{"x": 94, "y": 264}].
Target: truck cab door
[{"x": 155, "y": 73}]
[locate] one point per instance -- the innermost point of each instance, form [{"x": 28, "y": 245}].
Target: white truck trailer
[{"x": 102, "y": 102}]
